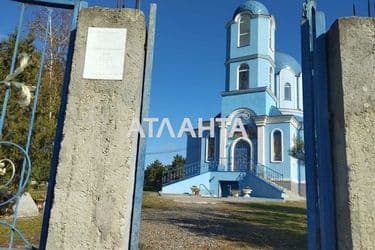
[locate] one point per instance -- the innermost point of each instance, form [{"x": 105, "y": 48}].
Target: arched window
[
  {"x": 277, "y": 146},
  {"x": 287, "y": 92},
  {"x": 244, "y": 30},
  {"x": 243, "y": 77},
  {"x": 210, "y": 149}
]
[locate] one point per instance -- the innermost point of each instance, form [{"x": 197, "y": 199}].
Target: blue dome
[
  {"x": 283, "y": 61},
  {"x": 253, "y": 7}
]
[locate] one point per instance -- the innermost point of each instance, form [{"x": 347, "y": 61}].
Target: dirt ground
[
  {"x": 198, "y": 223},
  {"x": 205, "y": 223}
]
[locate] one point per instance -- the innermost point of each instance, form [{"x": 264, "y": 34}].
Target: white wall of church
[
  {"x": 300, "y": 92},
  {"x": 287, "y": 77}
]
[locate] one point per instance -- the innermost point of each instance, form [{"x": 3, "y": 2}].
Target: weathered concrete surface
[
  {"x": 95, "y": 174},
  {"x": 351, "y": 54}
]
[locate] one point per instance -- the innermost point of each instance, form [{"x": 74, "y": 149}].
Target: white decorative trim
[
  {"x": 271, "y": 78},
  {"x": 261, "y": 144},
  {"x": 237, "y": 77},
  {"x": 277, "y": 89},
  {"x": 300, "y": 93},
  {"x": 290, "y": 69},
  {"x": 278, "y": 119},
  {"x": 252, "y": 16},
  {"x": 237, "y": 17},
  {"x": 206, "y": 149},
  {"x": 260, "y": 120},
  {"x": 297, "y": 94},
  {"x": 282, "y": 145},
  {"x": 250, "y": 90},
  {"x": 238, "y": 111},
  {"x": 245, "y": 91},
  {"x": 223, "y": 143},
  {"x": 233, "y": 146},
  {"x": 249, "y": 58},
  {"x": 272, "y": 34},
  {"x": 291, "y": 110}
]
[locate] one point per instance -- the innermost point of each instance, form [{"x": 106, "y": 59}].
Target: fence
[{"x": 224, "y": 165}]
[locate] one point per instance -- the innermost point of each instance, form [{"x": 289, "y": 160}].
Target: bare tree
[
  {"x": 58, "y": 32},
  {"x": 58, "y": 25}
]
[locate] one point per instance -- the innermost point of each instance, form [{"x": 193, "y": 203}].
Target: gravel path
[{"x": 178, "y": 228}]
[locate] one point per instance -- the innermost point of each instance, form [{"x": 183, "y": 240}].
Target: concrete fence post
[
  {"x": 351, "y": 70},
  {"x": 93, "y": 194}
]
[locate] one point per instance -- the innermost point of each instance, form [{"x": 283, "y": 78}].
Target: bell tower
[{"x": 250, "y": 61}]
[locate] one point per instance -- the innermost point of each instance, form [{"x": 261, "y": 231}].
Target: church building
[{"x": 263, "y": 87}]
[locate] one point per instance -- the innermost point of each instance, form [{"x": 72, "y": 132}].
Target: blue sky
[{"x": 190, "y": 52}]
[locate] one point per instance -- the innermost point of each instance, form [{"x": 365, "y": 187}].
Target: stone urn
[
  {"x": 235, "y": 193},
  {"x": 195, "y": 190},
  {"x": 247, "y": 192}
]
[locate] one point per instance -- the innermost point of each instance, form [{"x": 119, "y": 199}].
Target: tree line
[
  {"x": 153, "y": 179},
  {"x": 17, "y": 118}
]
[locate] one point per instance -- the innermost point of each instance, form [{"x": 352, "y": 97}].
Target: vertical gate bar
[
  {"x": 38, "y": 85},
  {"x": 79, "y": 4},
  {"x": 59, "y": 127},
  {"x": 31, "y": 125},
  {"x": 319, "y": 176},
  {"x": 139, "y": 173},
  {"x": 309, "y": 130},
  {"x": 323, "y": 145},
  {"x": 13, "y": 65}
]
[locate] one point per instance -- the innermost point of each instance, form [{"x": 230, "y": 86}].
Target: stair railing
[
  {"x": 268, "y": 173},
  {"x": 232, "y": 165},
  {"x": 177, "y": 174},
  {"x": 203, "y": 187}
]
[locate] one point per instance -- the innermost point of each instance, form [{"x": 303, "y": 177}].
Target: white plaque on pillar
[{"x": 105, "y": 54}]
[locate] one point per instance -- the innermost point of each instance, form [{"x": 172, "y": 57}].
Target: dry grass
[
  {"x": 30, "y": 227},
  {"x": 152, "y": 200}
]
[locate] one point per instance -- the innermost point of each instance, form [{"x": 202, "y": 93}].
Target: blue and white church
[{"x": 263, "y": 88}]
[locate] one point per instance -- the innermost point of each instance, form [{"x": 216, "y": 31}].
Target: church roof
[
  {"x": 253, "y": 7},
  {"x": 283, "y": 61}
]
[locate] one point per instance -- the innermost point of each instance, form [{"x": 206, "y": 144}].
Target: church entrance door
[{"x": 242, "y": 156}]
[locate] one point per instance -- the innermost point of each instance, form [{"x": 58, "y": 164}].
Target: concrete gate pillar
[
  {"x": 93, "y": 195},
  {"x": 351, "y": 64}
]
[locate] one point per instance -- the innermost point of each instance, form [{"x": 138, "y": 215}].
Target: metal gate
[
  {"x": 18, "y": 175},
  {"x": 319, "y": 175}
]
